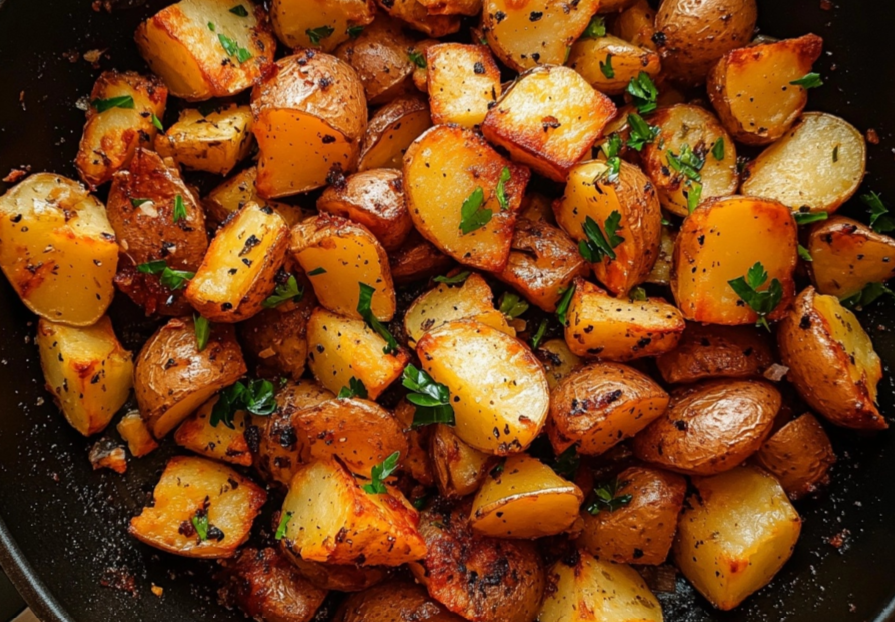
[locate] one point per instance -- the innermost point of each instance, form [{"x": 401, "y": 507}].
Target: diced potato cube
[
  {"x": 218, "y": 441},
  {"x": 626, "y": 60},
  {"x": 214, "y": 143},
  {"x": 379, "y": 55},
  {"x": 445, "y": 303},
  {"x": 322, "y": 24},
  {"x": 235, "y": 192},
  {"x": 459, "y": 468},
  {"x": 391, "y": 130},
  {"x": 463, "y": 83},
  {"x": 557, "y": 359},
  {"x": 133, "y": 430}
]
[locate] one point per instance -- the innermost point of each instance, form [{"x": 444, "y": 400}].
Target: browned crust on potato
[
  {"x": 799, "y": 455},
  {"x": 713, "y": 351}
]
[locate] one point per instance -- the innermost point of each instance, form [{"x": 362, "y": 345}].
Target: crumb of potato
[{"x": 157, "y": 590}]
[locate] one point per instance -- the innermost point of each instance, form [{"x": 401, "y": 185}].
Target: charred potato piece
[
  {"x": 459, "y": 468},
  {"x": 234, "y": 193},
  {"x": 121, "y": 117},
  {"x": 134, "y": 432},
  {"x": 463, "y": 83},
  {"x": 391, "y": 130},
  {"x": 752, "y": 90},
  {"x": 415, "y": 15},
  {"x": 394, "y": 601},
  {"x": 557, "y": 359},
  {"x": 215, "y": 440},
  {"x": 58, "y": 251},
  {"x": 711, "y": 351},
  {"x": 735, "y": 535},
  {"x": 445, "y": 303},
  {"x": 173, "y": 378},
  {"x": 416, "y": 260},
  {"x": 309, "y": 118},
  {"x": 449, "y": 167},
  {"x": 847, "y": 255},
  {"x": 541, "y": 130},
  {"x": 710, "y": 427},
  {"x": 214, "y": 143},
  {"x": 626, "y": 60},
  {"x": 321, "y": 24},
  {"x": 636, "y": 24},
  {"x": 379, "y": 56},
  {"x": 799, "y": 455},
  {"x": 87, "y": 370},
  {"x": 598, "y": 406},
  {"x": 198, "y": 62},
  {"x": 831, "y": 361}
]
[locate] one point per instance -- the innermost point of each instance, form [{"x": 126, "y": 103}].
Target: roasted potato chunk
[
  {"x": 459, "y": 468},
  {"x": 735, "y": 534},
  {"x": 661, "y": 272},
  {"x": 463, "y": 83},
  {"x": 214, "y": 143},
  {"x": 498, "y": 388},
  {"x": 416, "y": 260},
  {"x": 121, "y": 117},
  {"x": 626, "y": 61},
  {"x": 598, "y": 406},
  {"x": 846, "y": 255},
  {"x": 472, "y": 299},
  {"x": 215, "y": 440},
  {"x": 541, "y": 130},
  {"x": 379, "y": 56},
  {"x": 173, "y": 377},
  {"x": 799, "y": 455},
  {"x": 636, "y": 24},
  {"x": 711, "y": 351},
  {"x": 751, "y": 88},
  {"x": 309, "y": 118},
  {"x": 394, "y": 601},
  {"x": 710, "y": 427},
  {"x": 391, "y": 130},
  {"x": 200, "y": 509},
  {"x": 817, "y": 165},
  {"x": 720, "y": 242},
  {"x": 831, "y": 361},
  {"x": 452, "y": 7},
  {"x": 340, "y": 577},
  {"x": 134, "y": 432},
  {"x": 449, "y": 170},
  {"x": 234, "y": 193},
  {"x": 58, "y": 251},
  {"x": 330, "y": 518},
  {"x": 416, "y": 460},
  {"x": 557, "y": 359},
  {"x": 198, "y": 62},
  {"x": 87, "y": 370},
  {"x": 415, "y": 15},
  {"x": 322, "y": 24},
  {"x": 526, "y": 500}
]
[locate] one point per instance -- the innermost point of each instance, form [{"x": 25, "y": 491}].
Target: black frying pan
[{"x": 63, "y": 537}]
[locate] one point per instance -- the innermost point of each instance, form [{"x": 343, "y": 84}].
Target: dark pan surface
[{"x": 69, "y": 523}]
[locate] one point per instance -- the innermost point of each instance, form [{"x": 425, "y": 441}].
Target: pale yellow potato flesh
[{"x": 215, "y": 143}]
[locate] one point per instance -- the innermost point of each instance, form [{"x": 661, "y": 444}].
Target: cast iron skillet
[{"x": 63, "y": 527}]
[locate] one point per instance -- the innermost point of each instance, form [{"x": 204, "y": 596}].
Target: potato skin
[
  {"x": 714, "y": 351},
  {"x": 392, "y": 602},
  {"x": 391, "y": 130},
  {"x": 379, "y": 56},
  {"x": 710, "y": 427},
  {"x": 799, "y": 455},
  {"x": 339, "y": 577},
  {"x": 417, "y": 259}
]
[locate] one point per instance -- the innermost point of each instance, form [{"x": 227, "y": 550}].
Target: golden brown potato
[
  {"x": 448, "y": 168},
  {"x": 340, "y": 577},
  {"x": 452, "y": 7},
  {"x": 537, "y": 208},
  {"x": 846, "y": 255},
  {"x": 216, "y": 441},
  {"x": 598, "y": 406},
  {"x": 375, "y": 199},
  {"x": 636, "y": 24},
  {"x": 612, "y": 329},
  {"x": 379, "y": 56},
  {"x": 459, "y": 468},
  {"x": 661, "y": 272},
  {"x": 143, "y": 200},
  {"x": 693, "y": 34},
  {"x": 416, "y": 260},
  {"x": 506, "y": 575},
  {"x": 58, "y": 251},
  {"x": 589, "y": 195},
  {"x": 752, "y": 90},
  {"x": 240, "y": 265},
  {"x": 330, "y": 518},
  {"x": 526, "y": 500},
  {"x": 309, "y": 118},
  {"x": 642, "y": 530},
  {"x": 831, "y": 361},
  {"x": 202, "y": 49},
  {"x": 87, "y": 370},
  {"x": 391, "y": 130},
  {"x": 557, "y": 359},
  {"x": 799, "y": 455},
  {"x": 134, "y": 432},
  {"x": 591, "y": 57},
  {"x": 463, "y": 82},
  {"x": 341, "y": 348},
  {"x": 173, "y": 378},
  {"x": 498, "y": 388},
  {"x": 711, "y": 351},
  {"x": 214, "y": 143},
  {"x": 584, "y": 586},
  {"x": 710, "y": 427},
  {"x": 199, "y": 509},
  {"x": 416, "y": 460},
  {"x": 229, "y": 197},
  {"x": 720, "y": 242},
  {"x": 415, "y": 15},
  {"x": 392, "y": 602},
  {"x": 735, "y": 534},
  {"x": 322, "y": 24},
  {"x": 546, "y": 132},
  {"x": 121, "y": 117},
  {"x": 264, "y": 585},
  {"x": 818, "y": 164},
  {"x": 688, "y": 133},
  {"x": 525, "y": 35},
  {"x": 472, "y": 299}
]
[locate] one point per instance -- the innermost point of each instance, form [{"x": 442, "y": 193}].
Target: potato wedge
[
  {"x": 338, "y": 256},
  {"x": 525, "y": 35},
  {"x": 720, "y": 242},
  {"x": 818, "y": 164},
  {"x": 87, "y": 370},
  {"x": 498, "y": 389},
  {"x": 134, "y": 432},
  {"x": 58, "y": 251},
  {"x": 445, "y": 303},
  {"x": 173, "y": 378},
  {"x": 557, "y": 359},
  {"x": 525, "y": 500},
  {"x": 799, "y": 455},
  {"x": 379, "y": 56},
  {"x": 341, "y": 348},
  {"x": 735, "y": 535},
  {"x": 711, "y": 351},
  {"x": 636, "y": 24},
  {"x": 751, "y": 88},
  {"x": 330, "y": 518},
  {"x": 540, "y": 130},
  {"x": 229, "y": 197},
  {"x": 463, "y": 82},
  {"x": 218, "y": 441},
  {"x": 626, "y": 60},
  {"x": 459, "y": 468},
  {"x": 597, "y": 406},
  {"x": 831, "y": 361},
  {"x": 309, "y": 118},
  {"x": 322, "y": 24},
  {"x": 113, "y": 132},
  {"x": 710, "y": 427},
  {"x": 198, "y": 62},
  {"x": 214, "y": 143},
  {"x": 391, "y": 130},
  {"x": 200, "y": 509},
  {"x": 415, "y": 15},
  {"x": 610, "y": 329},
  {"x": 590, "y": 195},
  {"x": 449, "y": 167},
  {"x": 394, "y": 601}
]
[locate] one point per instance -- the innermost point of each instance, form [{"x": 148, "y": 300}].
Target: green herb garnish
[
  {"x": 687, "y": 163},
  {"x": 457, "y": 279},
  {"x": 643, "y": 92},
  {"x": 596, "y": 28},
  {"x": 694, "y": 194},
  {"x": 880, "y": 221},
  {"x": 200, "y": 524},
  {"x": 139, "y": 202},
  {"x": 809, "y": 81},
  {"x": 718, "y": 149},
  {"x": 364, "y": 307},
  {"x": 472, "y": 215},
  {"x": 157, "y": 123},
  {"x": 282, "y": 293},
  {"x": 172, "y": 279},
  {"x": 179, "y": 208},
  {"x": 606, "y": 497},
  {"x": 512, "y": 305},
  {"x": 432, "y": 399},
  {"x": 202, "y": 328},
  {"x": 638, "y": 294},
  {"x": 240, "y": 11},
  {"x": 642, "y": 133},
  {"x": 566, "y": 464},
  {"x": 380, "y": 473},
  {"x": 256, "y": 397},
  {"x": 539, "y": 334},
  {"x": 806, "y": 218},
  {"x": 417, "y": 58},
  {"x": 101, "y": 105},
  {"x": 870, "y": 293},
  {"x": 606, "y": 67},
  {"x": 762, "y": 302},
  {"x": 354, "y": 31},
  {"x": 233, "y": 49},
  {"x": 316, "y": 35},
  {"x": 355, "y": 388},
  {"x": 597, "y": 246},
  {"x": 281, "y": 528},
  {"x": 804, "y": 254},
  {"x": 501, "y": 188},
  {"x": 317, "y": 271},
  {"x": 563, "y": 306}
]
